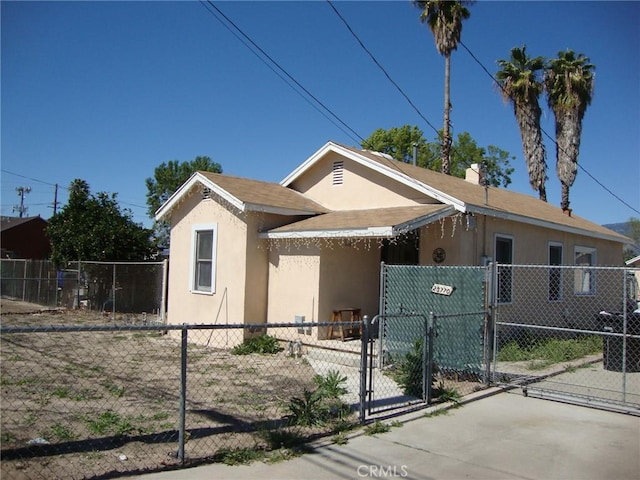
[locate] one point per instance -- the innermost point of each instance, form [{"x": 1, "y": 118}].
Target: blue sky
[{"x": 106, "y": 91}]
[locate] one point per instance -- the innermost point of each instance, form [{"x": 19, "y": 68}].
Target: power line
[
  {"x": 66, "y": 188},
  {"x": 279, "y": 67},
  {"x": 373, "y": 58}
]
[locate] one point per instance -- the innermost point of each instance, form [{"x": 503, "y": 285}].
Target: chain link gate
[
  {"x": 430, "y": 341},
  {"x": 569, "y": 333}
]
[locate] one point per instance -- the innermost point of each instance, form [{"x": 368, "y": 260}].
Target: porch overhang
[{"x": 374, "y": 223}]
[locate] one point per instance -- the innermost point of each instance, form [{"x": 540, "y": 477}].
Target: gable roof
[
  {"x": 464, "y": 196},
  {"x": 246, "y": 195}
]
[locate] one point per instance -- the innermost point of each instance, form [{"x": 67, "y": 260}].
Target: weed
[
  {"x": 340, "y": 439},
  {"x": 262, "y": 344},
  {"x": 110, "y": 422},
  {"x": 7, "y": 437},
  {"x": 113, "y": 389},
  {"x": 331, "y": 385},
  {"x": 437, "y": 413},
  {"x": 241, "y": 456},
  {"x": 310, "y": 410},
  {"x": 376, "y": 428},
  {"x": 61, "y": 392},
  {"x": 445, "y": 394},
  {"x": 61, "y": 432}
]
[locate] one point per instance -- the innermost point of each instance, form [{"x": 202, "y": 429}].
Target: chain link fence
[
  {"x": 132, "y": 288},
  {"x": 569, "y": 332},
  {"x": 85, "y": 400}
]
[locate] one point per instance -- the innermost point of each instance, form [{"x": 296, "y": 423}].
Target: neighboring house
[
  {"x": 251, "y": 252},
  {"x": 24, "y": 238}
]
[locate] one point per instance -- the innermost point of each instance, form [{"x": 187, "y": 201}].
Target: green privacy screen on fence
[{"x": 449, "y": 292}]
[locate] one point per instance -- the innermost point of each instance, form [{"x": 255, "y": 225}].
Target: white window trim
[
  {"x": 561, "y": 292},
  {"x": 592, "y": 280},
  {"x": 213, "y": 227}
]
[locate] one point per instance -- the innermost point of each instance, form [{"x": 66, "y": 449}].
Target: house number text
[{"x": 442, "y": 289}]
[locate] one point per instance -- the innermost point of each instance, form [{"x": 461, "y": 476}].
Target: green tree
[
  {"x": 521, "y": 85},
  {"x": 444, "y": 18},
  {"x": 634, "y": 233},
  {"x": 94, "y": 228},
  {"x": 568, "y": 81},
  {"x": 399, "y": 141},
  {"x": 167, "y": 178}
]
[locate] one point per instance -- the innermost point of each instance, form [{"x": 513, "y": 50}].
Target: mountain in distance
[{"x": 624, "y": 227}]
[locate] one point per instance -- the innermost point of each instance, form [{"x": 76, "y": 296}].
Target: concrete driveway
[{"x": 502, "y": 436}]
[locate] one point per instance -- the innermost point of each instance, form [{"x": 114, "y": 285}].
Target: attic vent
[
  {"x": 206, "y": 193},
  {"x": 338, "y": 172}
]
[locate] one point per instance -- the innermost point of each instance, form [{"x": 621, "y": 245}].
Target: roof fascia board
[
  {"x": 187, "y": 186},
  {"x": 256, "y": 207},
  {"x": 328, "y": 233},
  {"x": 424, "y": 220},
  {"x": 541, "y": 223}
]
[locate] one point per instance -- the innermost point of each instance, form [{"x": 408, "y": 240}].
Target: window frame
[
  {"x": 501, "y": 286},
  {"x": 582, "y": 272},
  {"x": 555, "y": 269},
  {"x": 194, "y": 271}
]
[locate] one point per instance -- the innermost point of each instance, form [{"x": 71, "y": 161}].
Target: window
[
  {"x": 504, "y": 255},
  {"x": 203, "y": 271},
  {"x": 403, "y": 250},
  {"x": 584, "y": 277},
  {"x": 555, "y": 274}
]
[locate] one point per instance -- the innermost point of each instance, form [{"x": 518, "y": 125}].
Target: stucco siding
[
  {"x": 349, "y": 278},
  {"x": 361, "y": 187},
  {"x": 293, "y": 284},
  {"x": 226, "y": 305}
]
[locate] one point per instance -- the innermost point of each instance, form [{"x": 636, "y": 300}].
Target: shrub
[{"x": 262, "y": 344}]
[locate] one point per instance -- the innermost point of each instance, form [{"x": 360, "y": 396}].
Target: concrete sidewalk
[{"x": 504, "y": 436}]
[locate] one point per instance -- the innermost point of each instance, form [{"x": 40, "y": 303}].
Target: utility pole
[
  {"x": 22, "y": 191},
  {"x": 55, "y": 200}
]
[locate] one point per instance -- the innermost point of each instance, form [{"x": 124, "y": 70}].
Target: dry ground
[{"x": 99, "y": 404}]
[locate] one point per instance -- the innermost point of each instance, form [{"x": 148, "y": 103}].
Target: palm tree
[
  {"x": 569, "y": 82},
  {"x": 520, "y": 84},
  {"x": 444, "y": 18}
]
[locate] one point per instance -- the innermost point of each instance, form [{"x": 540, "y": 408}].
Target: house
[
  {"x": 252, "y": 252},
  {"x": 24, "y": 238}
]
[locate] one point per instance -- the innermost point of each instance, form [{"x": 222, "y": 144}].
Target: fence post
[
  {"x": 183, "y": 393},
  {"x": 429, "y": 347},
  {"x": 24, "y": 281},
  {"x": 363, "y": 367},
  {"x": 163, "y": 296}
]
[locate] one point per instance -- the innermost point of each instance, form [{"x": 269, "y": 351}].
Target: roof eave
[
  {"x": 187, "y": 186},
  {"x": 368, "y": 232},
  {"x": 542, "y": 223}
]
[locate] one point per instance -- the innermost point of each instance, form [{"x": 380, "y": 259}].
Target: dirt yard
[{"x": 89, "y": 404}]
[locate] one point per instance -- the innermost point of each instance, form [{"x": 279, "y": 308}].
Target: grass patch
[
  {"x": 62, "y": 432},
  {"x": 110, "y": 422},
  {"x": 542, "y": 354}
]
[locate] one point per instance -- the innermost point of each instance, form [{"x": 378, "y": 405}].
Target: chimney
[
  {"x": 567, "y": 211},
  {"x": 474, "y": 174}
]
